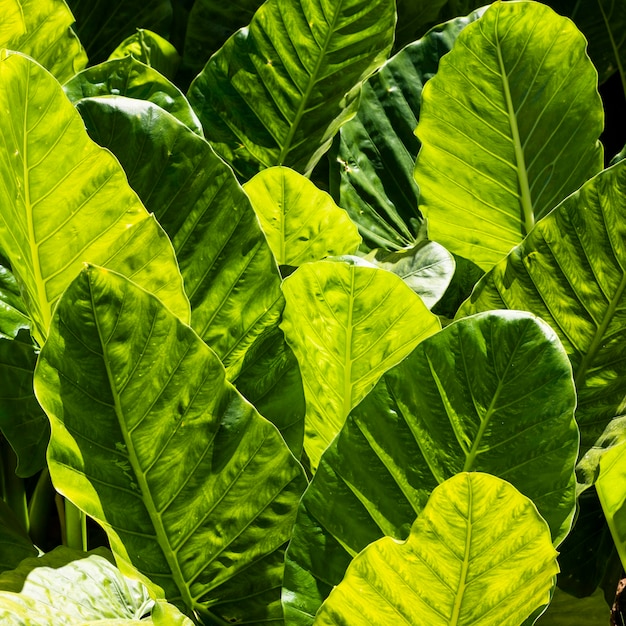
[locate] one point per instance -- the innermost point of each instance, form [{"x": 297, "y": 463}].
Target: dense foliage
[{"x": 312, "y": 312}]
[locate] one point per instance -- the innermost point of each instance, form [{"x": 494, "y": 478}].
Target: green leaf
[
  {"x": 509, "y": 127},
  {"x": 41, "y": 30},
  {"x": 70, "y": 587},
  {"x": 22, "y": 421},
  {"x": 152, "y": 50},
  {"x": 65, "y": 201},
  {"x": 301, "y": 222},
  {"x": 565, "y": 610},
  {"x": 229, "y": 273},
  {"x": 102, "y": 24},
  {"x": 13, "y": 314},
  {"x": 347, "y": 325},
  {"x": 570, "y": 272},
  {"x": 194, "y": 489},
  {"x": 131, "y": 78},
  {"x": 427, "y": 268},
  {"x": 376, "y": 151},
  {"x": 279, "y": 90},
  {"x": 210, "y": 24},
  {"x": 15, "y": 545},
  {"x": 490, "y": 393},
  {"x": 479, "y": 553}
]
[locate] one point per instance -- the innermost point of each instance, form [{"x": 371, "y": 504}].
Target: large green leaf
[
  {"x": 15, "y": 545},
  {"x": 376, "y": 151},
  {"x": 509, "y": 127},
  {"x": 13, "y": 313},
  {"x": 194, "y": 488},
  {"x": 41, "y": 30},
  {"x": 571, "y": 272},
  {"x": 565, "y": 610},
  {"x": 300, "y": 221},
  {"x": 603, "y": 23},
  {"x": 131, "y": 78},
  {"x": 491, "y": 393},
  {"x": 229, "y": 272},
  {"x": 22, "y": 421},
  {"x": 70, "y": 587},
  {"x": 279, "y": 90},
  {"x": 64, "y": 200},
  {"x": 347, "y": 325},
  {"x": 103, "y": 24},
  {"x": 479, "y": 553}
]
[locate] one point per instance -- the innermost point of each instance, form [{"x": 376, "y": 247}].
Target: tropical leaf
[
  {"x": 22, "y": 421},
  {"x": 15, "y": 545},
  {"x": 194, "y": 489},
  {"x": 131, "y": 78},
  {"x": 70, "y": 587},
  {"x": 64, "y": 200},
  {"x": 565, "y": 610},
  {"x": 13, "y": 314},
  {"x": 571, "y": 272},
  {"x": 376, "y": 150},
  {"x": 509, "y": 127},
  {"x": 427, "y": 268},
  {"x": 277, "y": 92},
  {"x": 102, "y": 24},
  {"x": 42, "y": 30},
  {"x": 347, "y": 325},
  {"x": 490, "y": 393},
  {"x": 301, "y": 222},
  {"x": 229, "y": 273},
  {"x": 152, "y": 50},
  {"x": 479, "y": 553}
]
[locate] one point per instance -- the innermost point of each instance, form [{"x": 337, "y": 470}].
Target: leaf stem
[
  {"x": 41, "y": 502},
  {"x": 75, "y": 527},
  {"x": 15, "y": 494}
]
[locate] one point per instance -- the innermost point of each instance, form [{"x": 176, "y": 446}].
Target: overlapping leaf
[
  {"x": 301, "y": 222},
  {"x": 13, "y": 314},
  {"x": 132, "y": 78},
  {"x": 278, "y": 91},
  {"x": 509, "y": 127},
  {"x": 479, "y": 553},
  {"x": 490, "y": 393},
  {"x": 194, "y": 488},
  {"x": 347, "y": 325},
  {"x": 571, "y": 272},
  {"x": 376, "y": 151},
  {"x": 64, "y": 200},
  {"x": 229, "y": 272},
  {"x": 42, "y": 30}
]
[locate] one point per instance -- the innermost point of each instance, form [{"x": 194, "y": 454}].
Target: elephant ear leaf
[
  {"x": 479, "y": 553},
  {"x": 194, "y": 488},
  {"x": 290, "y": 80},
  {"x": 509, "y": 127}
]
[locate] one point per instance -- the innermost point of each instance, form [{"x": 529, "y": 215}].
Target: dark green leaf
[{"x": 15, "y": 545}]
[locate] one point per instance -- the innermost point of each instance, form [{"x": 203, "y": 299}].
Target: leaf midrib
[
  {"x": 458, "y": 600},
  {"x": 286, "y": 147}
]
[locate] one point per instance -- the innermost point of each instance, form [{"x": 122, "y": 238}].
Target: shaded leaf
[
  {"x": 509, "y": 127},
  {"x": 131, "y": 78},
  {"x": 64, "y": 200},
  {"x": 347, "y": 325},
  {"x": 168, "y": 452},
  {"x": 15, "y": 545},
  {"x": 301, "y": 222},
  {"x": 42, "y": 30},
  {"x": 478, "y": 553},
  {"x": 277, "y": 92},
  {"x": 229, "y": 273},
  {"x": 490, "y": 393},
  {"x": 13, "y": 314},
  {"x": 565, "y": 610},
  {"x": 570, "y": 271}
]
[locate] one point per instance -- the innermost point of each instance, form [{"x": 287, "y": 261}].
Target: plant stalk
[
  {"x": 75, "y": 527},
  {"x": 15, "y": 494}
]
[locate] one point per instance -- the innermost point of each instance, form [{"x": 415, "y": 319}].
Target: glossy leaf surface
[
  {"x": 491, "y": 393},
  {"x": 347, "y": 325},
  {"x": 479, "y": 553},
  {"x": 376, "y": 151},
  {"x": 167, "y": 452},
  {"x": 131, "y": 78},
  {"x": 509, "y": 127},
  {"x": 41, "y": 30},
  {"x": 13, "y": 314},
  {"x": 571, "y": 272},
  {"x": 69, "y": 587},
  {"x": 65, "y": 200},
  {"x": 278, "y": 91},
  {"x": 301, "y": 222},
  {"x": 229, "y": 273}
]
